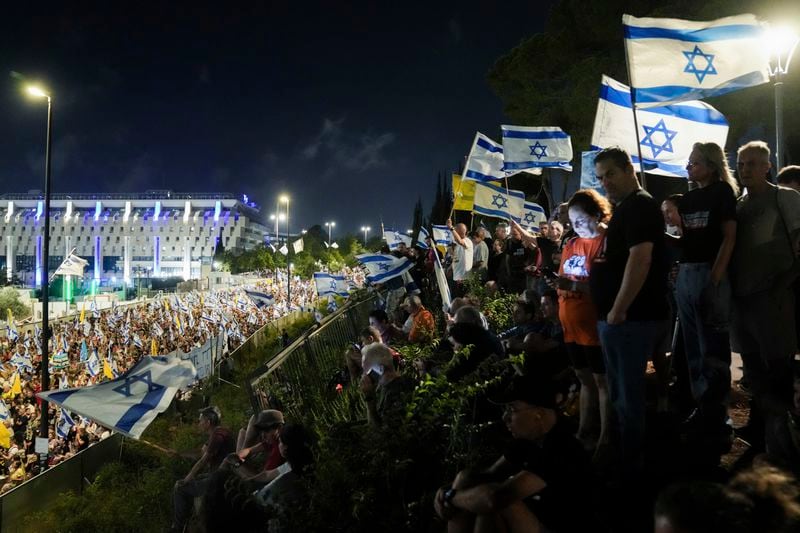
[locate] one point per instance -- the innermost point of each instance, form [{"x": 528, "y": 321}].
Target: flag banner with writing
[
  {"x": 129, "y": 403},
  {"x": 536, "y": 147},
  {"x": 666, "y": 133},
  {"x": 672, "y": 60}
]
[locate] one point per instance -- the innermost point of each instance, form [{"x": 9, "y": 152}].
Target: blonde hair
[
  {"x": 714, "y": 157},
  {"x": 758, "y": 146}
]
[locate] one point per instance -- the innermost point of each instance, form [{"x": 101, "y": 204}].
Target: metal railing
[{"x": 299, "y": 375}]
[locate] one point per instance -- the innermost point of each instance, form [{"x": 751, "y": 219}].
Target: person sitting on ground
[
  {"x": 353, "y": 355},
  {"x": 535, "y": 484},
  {"x": 220, "y": 444},
  {"x": 423, "y": 326},
  {"x": 385, "y": 390},
  {"x": 389, "y": 332},
  {"x": 465, "y": 332},
  {"x": 261, "y": 436}
]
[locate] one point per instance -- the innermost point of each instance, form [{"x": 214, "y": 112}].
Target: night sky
[{"x": 351, "y": 109}]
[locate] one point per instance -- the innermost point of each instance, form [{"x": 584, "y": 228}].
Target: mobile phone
[
  {"x": 550, "y": 273},
  {"x": 356, "y": 346}
]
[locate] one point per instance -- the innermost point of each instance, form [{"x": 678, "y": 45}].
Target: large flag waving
[
  {"x": 130, "y": 402},
  {"x": 672, "y": 60},
  {"x": 533, "y": 215},
  {"x": 382, "y": 267},
  {"x": 485, "y": 161},
  {"x": 72, "y": 266},
  {"x": 329, "y": 284},
  {"x": 535, "y": 147},
  {"x": 395, "y": 238},
  {"x": 260, "y": 299},
  {"x": 666, "y": 133},
  {"x": 442, "y": 235},
  {"x": 422, "y": 237},
  {"x": 494, "y": 201}
]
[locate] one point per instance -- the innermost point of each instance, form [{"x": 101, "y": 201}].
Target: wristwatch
[{"x": 449, "y": 495}]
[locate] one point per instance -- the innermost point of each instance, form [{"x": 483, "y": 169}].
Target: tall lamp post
[
  {"x": 782, "y": 42},
  {"x": 44, "y": 426},
  {"x": 277, "y": 216},
  {"x": 330, "y": 226},
  {"x": 365, "y": 229},
  {"x": 285, "y": 199}
]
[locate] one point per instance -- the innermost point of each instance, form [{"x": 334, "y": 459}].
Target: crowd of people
[
  {"x": 96, "y": 345},
  {"x": 613, "y": 281}
]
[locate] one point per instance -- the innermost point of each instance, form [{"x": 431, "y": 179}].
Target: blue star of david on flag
[
  {"x": 499, "y": 201},
  {"x": 539, "y": 150},
  {"x": 144, "y": 377},
  {"x": 529, "y": 218},
  {"x": 691, "y": 67},
  {"x": 383, "y": 267},
  {"x": 660, "y": 127},
  {"x": 333, "y": 285}
]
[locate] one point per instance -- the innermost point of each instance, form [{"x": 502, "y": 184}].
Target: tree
[{"x": 9, "y": 299}]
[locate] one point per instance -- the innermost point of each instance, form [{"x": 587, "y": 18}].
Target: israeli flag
[
  {"x": 485, "y": 160},
  {"x": 4, "y": 414},
  {"x": 260, "y": 299},
  {"x": 666, "y": 133},
  {"x": 532, "y": 215},
  {"x": 93, "y": 365},
  {"x": 11, "y": 331},
  {"x": 672, "y": 60},
  {"x": 137, "y": 341},
  {"x": 394, "y": 238},
  {"x": 157, "y": 329},
  {"x": 421, "y": 238},
  {"x": 62, "y": 381},
  {"x": 22, "y": 362},
  {"x": 65, "y": 424},
  {"x": 442, "y": 235},
  {"x": 129, "y": 403},
  {"x": 331, "y": 304},
  {"x": 330, "y": 284},
  {"x": 382, "y": 267},
  {"x": 536, "y": 147},
  {"x": 494, "y": 201}
]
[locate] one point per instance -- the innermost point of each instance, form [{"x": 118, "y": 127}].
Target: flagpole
[
  {"x": 44, "y": 427},
  {"x": 635, "y": 118}
]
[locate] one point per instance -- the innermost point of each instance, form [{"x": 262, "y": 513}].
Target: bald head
[{"x": 461, "y": 229}]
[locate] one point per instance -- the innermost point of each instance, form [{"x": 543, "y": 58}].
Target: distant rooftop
[{"x": 151, "y": 194}]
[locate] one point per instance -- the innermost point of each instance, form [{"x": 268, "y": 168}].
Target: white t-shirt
[{"x": 462, "y": 261}]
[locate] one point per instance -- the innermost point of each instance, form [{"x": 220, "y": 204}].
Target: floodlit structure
[{"x": 158, "y": 233}]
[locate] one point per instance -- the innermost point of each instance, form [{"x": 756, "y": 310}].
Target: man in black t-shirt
[
  {"x": 629, "y": 284},
  {"x": 539, "y": 482}
]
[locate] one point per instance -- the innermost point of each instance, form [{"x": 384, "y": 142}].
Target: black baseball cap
[{"x": 531, "y": 390}]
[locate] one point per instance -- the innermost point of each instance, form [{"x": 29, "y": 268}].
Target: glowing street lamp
[
  {"x": 365, "y": 229},
  {"x": 781, "y": 42},
  {"x": 330, "y": 226},
  {"x": 38, "y": 92}
]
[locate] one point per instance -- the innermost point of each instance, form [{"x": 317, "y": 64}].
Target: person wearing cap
[
  {"x": 220, "y": 443},
  {"x": 423, "y": 326},
  {"x": 261, "y": 436},
  {"x": 539, "y": 480}
]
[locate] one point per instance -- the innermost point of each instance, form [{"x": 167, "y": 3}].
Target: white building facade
[{"x": 153, "y": 234}]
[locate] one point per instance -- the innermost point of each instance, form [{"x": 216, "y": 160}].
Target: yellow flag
[
  {"x": 16, "y": 386},
  {"x": 166, "y": 305},
  {"x": 463, "y": 193},
  {"x": 107, "y": 372},
  {"x": 83, "y": 312},
  {"x": 10, "y": 316},
  {"x": 153, "y": 347},
  {"x": 5, "y": 436}
]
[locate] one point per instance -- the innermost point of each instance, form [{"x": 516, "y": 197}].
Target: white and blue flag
[
  {"x": 672, "y": 60},
  {"x": 260, "y": 299},
  {"x": 330, "y": 284},
  {"x": 65, "y": 424},
  {"x": 4, "y": 413},
  {"x": 532, "y": 215},
  {"x": 394, "y": 238},
  {"x": 421, "y": 238},
  {"x": 22, "y": 362},
  {"x": 129, "y": 403},
  {"x": 442, "y": 235},
  {"x": 485, "y": 160},
  {"x": 536, "y": 147},
  {"x": 383, "y": 267},
  {"x": 666, "y": 133},
  {"x": 494, "y": 201},
  {"x": 93, "y": 365},
  {"x": 332, "y": 304}
]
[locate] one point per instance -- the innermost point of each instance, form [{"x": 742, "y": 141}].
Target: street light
[
  {"x": 409, "y": 231},
  {"x": 330, "y": 226},
  {"x": 365, "y": 229},
  {"x": 38, "y": 92},
  {"x": 285, "y": 199},
  {"x": 781, "y": 43}
]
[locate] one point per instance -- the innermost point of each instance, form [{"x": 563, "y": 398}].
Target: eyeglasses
[{"x": 693, "y": 164}]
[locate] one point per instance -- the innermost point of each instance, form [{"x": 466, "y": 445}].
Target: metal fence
[
  {"x": 297, "y": 378},
  {"x": 40, "y": 492}
]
